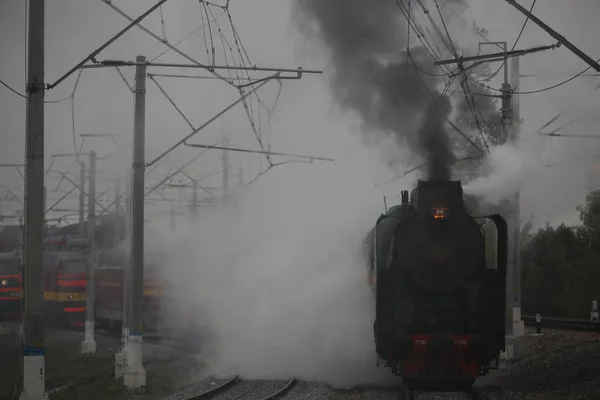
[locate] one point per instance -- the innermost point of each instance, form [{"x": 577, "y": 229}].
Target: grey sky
[{"x": 305, "y": 120}]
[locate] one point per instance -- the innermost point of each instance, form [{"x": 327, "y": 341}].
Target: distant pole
[
  {"x": 225, "y": 160},
  {"x": 172, "y": 215},
  {"x": 121, "y": 356},
  {"x": 194, "y": 201},
  {"x": 135, "y": 374},
  {"x": 33, "y": 346},
  {"x": 88, "y": 346},
  {"x": 117, "y": 232},
  {"x": 82, "y": 199}
]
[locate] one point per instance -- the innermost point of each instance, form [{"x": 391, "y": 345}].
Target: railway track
[
  {"x": 479, "y": 393},
  {"x": 570, "y": 324},
  {"x": 235, "y": 388}
]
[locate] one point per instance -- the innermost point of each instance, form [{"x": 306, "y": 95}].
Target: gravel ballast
[{"x": 557, "y": 365}]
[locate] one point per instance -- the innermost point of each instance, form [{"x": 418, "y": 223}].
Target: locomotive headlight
[
  {"x": 3, "y": 282},
  {"x": 439, "y": 212}
]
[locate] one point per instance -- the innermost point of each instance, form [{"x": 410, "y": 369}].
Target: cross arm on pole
[
  {"x": 311, "y": 158},
  {"x": 15, "y": 196},
  {"x": 106, "y": 44},
  {"x": 123, "y": 63},
  {"x": 195, "y": 131},
  {"x": 495, "y": 56},
  {"x": 159, "y": 184},
  {"x": 65, "y": 176},
  {"x": 51, "y": 208},
  {"x": 561, "y": 39},
  {"x": 196, "y": 182}
]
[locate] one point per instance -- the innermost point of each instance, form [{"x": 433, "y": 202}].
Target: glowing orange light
[{"x": 439, "y": 213}]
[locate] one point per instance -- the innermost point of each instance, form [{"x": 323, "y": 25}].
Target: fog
[
  {"x": 505, "y": 172},
  {"x": 277, "y": 280},
  {"x": 279, "y": 277}
]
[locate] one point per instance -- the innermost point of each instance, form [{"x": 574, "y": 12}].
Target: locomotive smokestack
[{"x": 404, "y": 197}]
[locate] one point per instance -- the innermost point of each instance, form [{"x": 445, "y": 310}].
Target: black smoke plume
[{"x": 392, "y": 90}]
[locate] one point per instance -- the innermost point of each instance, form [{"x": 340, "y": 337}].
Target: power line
[
  {"x": 515, "y": 44},
  {"x": 538, "y": 90},
  {"x": 561, "y": 39},
  {"x": 12, "y": 90},
  {"x": 25, "y": 97}
]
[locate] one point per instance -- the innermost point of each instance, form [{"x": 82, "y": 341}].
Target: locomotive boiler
[{"x": 439, "y": 278}]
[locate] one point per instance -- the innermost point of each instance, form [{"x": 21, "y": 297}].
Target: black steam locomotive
[{"x": 439, "y": 277}]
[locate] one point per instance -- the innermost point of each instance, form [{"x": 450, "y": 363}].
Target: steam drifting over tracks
[{"x": 235, "y": 388}]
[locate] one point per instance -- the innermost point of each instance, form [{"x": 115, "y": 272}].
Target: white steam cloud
[
  {"x": 279, "y": 281},
  {"x": 507, "y": 169}
]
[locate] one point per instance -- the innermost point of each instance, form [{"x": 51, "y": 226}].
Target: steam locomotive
[{"x": 439, "y": 278}]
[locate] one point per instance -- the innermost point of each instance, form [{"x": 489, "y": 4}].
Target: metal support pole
[
  {"x": 172, "y": 215},
  {"x": 88, "y": 346},
  {"x": 518, "y": 324},
  {"x": 82, "y": 200},
  {"x": 225, "y": 193},
  {"x": 117, "y": 239},
  {"x": 135, "y": 374},
  {"x": 240, "y": 175},
  {"x": 33, "y": 346},
  {"x": 507, "y": 122},
  {"x": 121, "y": 356}
]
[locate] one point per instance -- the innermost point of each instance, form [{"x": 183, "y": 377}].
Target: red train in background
[
  {"x": 10, "y": 281},
  {"x": 109, "y": 281},
  {"x": 64, "y": 280},
  {"x": 65, "y": 283}
]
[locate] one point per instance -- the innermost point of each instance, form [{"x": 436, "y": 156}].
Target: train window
[
  {"x": 75, "y": 265},
  {"x": 50, "y": 259},
  {"x": 104, "y": 260},
  {"x": 7, "y": 246},
  {"x": 8, "y": 265}
]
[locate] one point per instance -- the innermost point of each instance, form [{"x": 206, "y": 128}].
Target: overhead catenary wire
[
  {"x": 515, "y": 44},
  {"x": 236, "y": 48},
  {"x": 469, "y": 96},
  {"x": 6, "y": 85},
  {"x": 536, "y": 90},
  {"x": 240, "y": 48}
]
